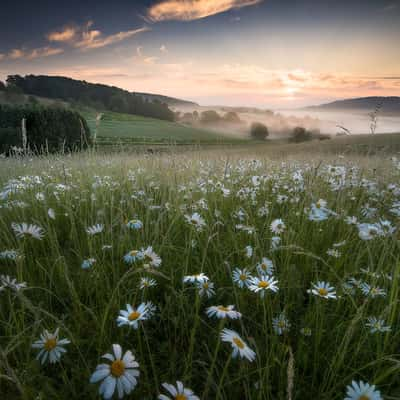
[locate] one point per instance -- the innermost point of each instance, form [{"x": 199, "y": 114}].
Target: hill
[
  {"x": 171, "y": 101},
  {"x": 387, "y": 105},
  {"x": 97, "y": 96}
]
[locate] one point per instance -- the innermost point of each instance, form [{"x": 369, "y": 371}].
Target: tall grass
[{"x": 180, "y": 342}]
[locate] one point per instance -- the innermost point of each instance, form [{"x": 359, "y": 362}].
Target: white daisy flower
[
  {"x": 263, "y": 283},
  {"x": 150, "y": 257},
  {"x": 51, "y": 347},
  {"x": 362, "y": 391},
  {"x": 146, "y": 283},
  {"x": 372, "y": 291},
  {"x": 134, "y": 224},
  {"x": 51, "y": 213},
  {"x": 132, "y": 316},
  {"x": 88, "y": 263},
  {"x": 369, "y": 231},
  {"x": 223, "y": 312},
  {"x": 265, "y": 267},
  {"x": 95, "y": 229},
  {"x": 178, "y": 392},
  {"x": 205, "y": 288},
  {"x": 121, "y": 374},
  {"x": 195, "y": 278},
  {"x": 25, "y": 230},
  {"x": 248, "y": 251},
  {"x": 196, "y": 220},
  {"x": 11, "y": 283},
  {"x": 281, "y": 324},
  {"x": 277, "y": 226},
  {"x": 240, "y": 348},
  {"x": 241, "y": 277},
  {"x": 377, "y": 325},
  {"x": 323, "y": 289}
]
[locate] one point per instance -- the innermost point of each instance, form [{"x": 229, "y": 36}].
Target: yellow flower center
[
  {"x": 364, "y": 397},
  {"x": 322, "y": 291},
  {"x": 238, "y": 342},
  {"x": 133, "y": 316},
  {"x": 133, "y": 253},
  {"x": 263, "y": 266},
  {"x": 50, "y": 344},
  {"x": 117, "y": 368},
  {"x": 281, "y": 324},
  {"x": 263, "y": 284},
  {"x": 180, "y": 397},
  {"x": 194, "y": 221},
  {"x": 222, "y": 308},
  {"x": 242, "y": 277},
  {"x": 205, "y": 285}
]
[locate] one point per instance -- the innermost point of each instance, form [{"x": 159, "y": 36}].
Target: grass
[
  {"x": 124, "y": 128},
  {"x": 180, "y": 342}
]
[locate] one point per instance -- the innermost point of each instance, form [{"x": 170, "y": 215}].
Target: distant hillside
[
  {"x": 97, "y": 96},
  {"x": 171, "y": 101},
  {"x": 387, "y": 105}
]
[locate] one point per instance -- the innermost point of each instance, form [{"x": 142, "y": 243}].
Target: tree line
[{"x": 48, "y": 129}]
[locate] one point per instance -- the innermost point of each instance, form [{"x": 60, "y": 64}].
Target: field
[
  {"x": 255, "y": 272},
  {"x": 115, "y": 128}
]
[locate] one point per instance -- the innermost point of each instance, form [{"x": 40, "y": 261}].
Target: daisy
[
  {"x": 277, "y": 226},
  {"x": 11, "y": 283},
  {"x": 147, "y": 282},
  {"x": 121, "y": 374},
  {"x": 377, "y": 325},
  {"x": 323, "y": 289},
  {"x": 205, "y": 288},
  {"x": 266, "y": 266},
  {"x": 95, "y": 229},
  {"x": 195, "y": 220},
  {"x": 195, "y": 278},
  {"x": 275, "y": 242},
  {"x": 281, "y": 324},
  {"x": 240, "y": 348},
  {"x": 133, "y": 256},
  {"x": 51, "y": 213},
  {"x": 86, "y": 264},
  {"x": 51, "y": 347},
  {"x": 362, "y": 391},
  {"x": 369, "y": 231},
  {"x": 248, "y": 251},
  {"x": 223, "y": 312},
  {"x": 178, "y": 392},
  {"x": 263, "y": 283},
  {"x": 132, "y": 316},
  {"x": 25, "y": 230},
  {"x": 12, "y": 255},
  {"x": 134, "y": 224},
  {"x": 150, "y": 258},
  {"x": 241, "y": 277},
  {"x": 372, "y": 291}
]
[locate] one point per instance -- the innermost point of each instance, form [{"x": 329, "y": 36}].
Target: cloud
[
  {"x": 66, "y": 35},
  {"x": 24, "y": 54},
  {"x": 391, "y": 7},
  {"x": 189, "y": 10},
  {"x": 163, "y": 49},
  {"x": 94, "y": 39}
]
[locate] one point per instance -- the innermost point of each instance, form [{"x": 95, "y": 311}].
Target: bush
[
  {"x": 232, "y": 117},
  {"x": 300, "y": 134},
  {"x": 50, "y": 129},
  {"x": 258, "y": 131}
]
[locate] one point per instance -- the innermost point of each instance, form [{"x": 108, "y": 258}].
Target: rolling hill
[{"x": 387, "y": 105}]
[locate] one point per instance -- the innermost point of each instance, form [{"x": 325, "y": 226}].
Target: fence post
[{"x": 24, "y": 135}]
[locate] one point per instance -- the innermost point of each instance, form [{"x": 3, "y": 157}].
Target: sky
[{"x": 264, "y": 53}]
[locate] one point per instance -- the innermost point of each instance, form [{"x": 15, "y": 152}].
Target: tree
[
  {"x": 300, "y": 134},
  {"x": 258, "y": 131},
  {"x": 2, "y": 86},
  {"x": 231, "y": 117},
  {"x": 209, "y": 117}
]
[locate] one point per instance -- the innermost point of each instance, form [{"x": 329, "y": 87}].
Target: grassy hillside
[{"x": 115, "y": 127}]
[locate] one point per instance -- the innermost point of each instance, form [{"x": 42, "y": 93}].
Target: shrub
[
  {"x": 232, "y": 117},
  {"x": 48, "y": 128},
  {"x": 258, "y": 131}
]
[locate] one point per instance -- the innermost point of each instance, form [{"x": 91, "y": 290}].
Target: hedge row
[{"x": 48, "y": 129}]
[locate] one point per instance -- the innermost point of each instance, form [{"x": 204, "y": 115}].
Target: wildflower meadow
[{"x": 199, "y": 276}]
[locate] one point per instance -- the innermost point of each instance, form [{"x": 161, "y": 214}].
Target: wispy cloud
[
  {"x": 26, "y": 54},
  {"x": 189, "y": 10},
  {"x": 94, "y": 39}
]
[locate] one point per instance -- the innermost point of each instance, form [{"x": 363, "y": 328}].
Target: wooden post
[{"x": 24, "y": 135}]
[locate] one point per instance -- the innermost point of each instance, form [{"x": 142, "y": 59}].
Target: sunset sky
[{"x": 271, "y": 53}]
